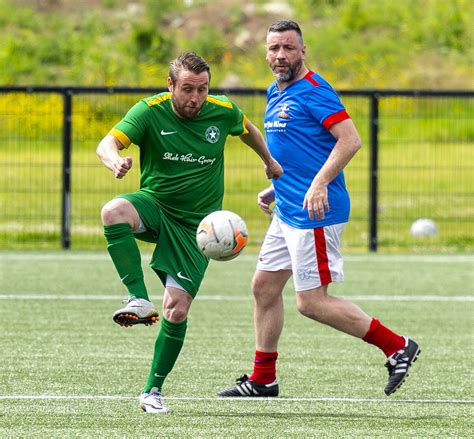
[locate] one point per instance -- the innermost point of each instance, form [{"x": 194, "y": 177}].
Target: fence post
[
  {"x": 66, "y": 171},
  {"x": 374, "y": 147}
]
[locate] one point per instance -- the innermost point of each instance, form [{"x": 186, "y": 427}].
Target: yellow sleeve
[{"x": 121, "y": 137}]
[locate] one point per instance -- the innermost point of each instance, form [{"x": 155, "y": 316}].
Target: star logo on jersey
[
  {"x": 283, "y": 114},
  {"x": 212, "y": 134}
]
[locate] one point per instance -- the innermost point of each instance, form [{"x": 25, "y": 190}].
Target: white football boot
[
  {"x": 152, "y": 402},
  {"x": 136, "y": 311}
]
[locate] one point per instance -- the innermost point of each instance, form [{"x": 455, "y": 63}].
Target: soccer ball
[
  {"x": 222, "y": 235},
  {"x": 423, "y": 227}
]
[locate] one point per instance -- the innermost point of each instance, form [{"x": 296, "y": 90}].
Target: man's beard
[
  {"x": 182, "y": 110},
  {"x": 288, "y": 76}
]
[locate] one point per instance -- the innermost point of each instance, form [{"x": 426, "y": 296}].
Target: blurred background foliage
[{"x": 354, "y": 43}]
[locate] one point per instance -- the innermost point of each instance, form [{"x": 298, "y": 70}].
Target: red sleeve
[{"x": 335, "y": 118}]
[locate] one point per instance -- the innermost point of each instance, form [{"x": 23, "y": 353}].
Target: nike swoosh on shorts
[{"x": 183, "y": 277}]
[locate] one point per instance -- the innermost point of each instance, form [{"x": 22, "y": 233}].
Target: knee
[
  {"x": 303, "y": 307},
  {"x": 310, "y": 307},
  {"x": 314, "y": 304},
  {"x": 117, "y": 211},
  {"x": 175, "y": 314},
  {"x": 264, "y": 293},
  {"x": 257, "y": 288},
  {"x": 109, "y": 213}
]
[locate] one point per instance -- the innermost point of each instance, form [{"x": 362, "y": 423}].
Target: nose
[
  {"x": 281, "y": 54},
  {"x": 194, "y": 97}
]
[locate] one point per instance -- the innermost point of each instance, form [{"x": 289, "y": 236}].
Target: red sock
[
  {"x": 264, "y": 367},
  {"x": 385, "y": 339}
]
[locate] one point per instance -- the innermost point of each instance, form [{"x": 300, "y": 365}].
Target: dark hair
[
  {"x": 284, "y": 25},
  {"x": 188, "y": 61}
]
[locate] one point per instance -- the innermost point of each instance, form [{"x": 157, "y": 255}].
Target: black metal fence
[{"x": 417, "y": 162}]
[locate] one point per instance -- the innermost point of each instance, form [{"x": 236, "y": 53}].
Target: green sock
[
  {"x": 167, "y": 347},
  {"x": 123, "y": 250}
]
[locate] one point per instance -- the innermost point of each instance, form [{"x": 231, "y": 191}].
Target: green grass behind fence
[
  {"x": 32, "y": 205},
  {"x": 426, "y": 163}
]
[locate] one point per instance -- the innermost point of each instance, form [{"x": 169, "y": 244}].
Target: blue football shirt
[{"x": 297, "y": 122}]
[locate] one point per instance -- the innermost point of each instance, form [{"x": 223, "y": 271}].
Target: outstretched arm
[
  {"x": 108, "y": 151},
  {"x": 347, "y": 144},
  {"x": 255, "y": 140}
]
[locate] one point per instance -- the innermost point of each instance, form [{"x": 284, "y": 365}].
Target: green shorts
[{"x": 176, "y": 252}]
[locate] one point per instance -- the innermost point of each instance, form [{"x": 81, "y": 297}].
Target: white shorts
[
  {"x": 312, "y": 254},
  {"x": 170, "y": 282}
]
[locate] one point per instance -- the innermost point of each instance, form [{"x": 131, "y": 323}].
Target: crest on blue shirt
[{"x": 283, "y": 114}]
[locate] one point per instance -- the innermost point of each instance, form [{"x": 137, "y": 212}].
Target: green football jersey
[{"x": 182, "y": 160}]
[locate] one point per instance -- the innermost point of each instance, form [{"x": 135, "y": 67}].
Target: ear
[
  {"x": 170, "y": 84},
  {"x": 304, "y": 52}
]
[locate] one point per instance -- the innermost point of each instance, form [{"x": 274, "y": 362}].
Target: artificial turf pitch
[{"x": 69, "y": 371}]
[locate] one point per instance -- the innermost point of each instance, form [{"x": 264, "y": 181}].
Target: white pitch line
[
  {"x": 382, "y": 258},
  {"x": 220, "y": 298},
  {"x": 215, "y": 399}
]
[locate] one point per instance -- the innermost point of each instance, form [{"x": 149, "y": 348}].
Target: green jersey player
[{"x": 181, "y": 136}]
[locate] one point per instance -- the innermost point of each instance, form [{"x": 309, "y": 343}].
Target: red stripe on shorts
[{"x": 322, "y": 256}]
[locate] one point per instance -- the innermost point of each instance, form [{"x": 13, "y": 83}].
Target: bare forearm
[
  {"x": 255, "y": 140},
  {"x": 108, "y": 152},
  {"x": 347, "y": 144},
  {"x": 340, "y": 156}
]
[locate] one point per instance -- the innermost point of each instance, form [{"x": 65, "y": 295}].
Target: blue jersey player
[{"x": 310, "y": 133}]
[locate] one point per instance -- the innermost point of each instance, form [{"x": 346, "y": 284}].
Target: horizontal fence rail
[{"x": 417, "y": 163}]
